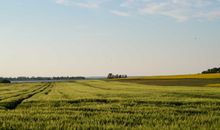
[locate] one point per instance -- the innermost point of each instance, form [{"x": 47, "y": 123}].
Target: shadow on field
[
  {"x": 195, "y": 95},
  {"x": 124, "y": 103},
  {"x": 171, "y": 103}
]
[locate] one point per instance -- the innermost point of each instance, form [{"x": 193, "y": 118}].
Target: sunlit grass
[
  {"x": 189, "y": 76},
  {"x": 213, "y": 85}
]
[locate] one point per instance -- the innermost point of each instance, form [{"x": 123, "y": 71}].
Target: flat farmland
[{"x": 110, "y": 104}]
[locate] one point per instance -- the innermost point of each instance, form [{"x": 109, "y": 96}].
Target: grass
[
  {"x": 177, "y": 80},
  {"x": 187, "y": 76},
  {"x": 99, "y": 104}
]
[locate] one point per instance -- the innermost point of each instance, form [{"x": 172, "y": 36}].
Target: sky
[{"x": 96, "y": 37}]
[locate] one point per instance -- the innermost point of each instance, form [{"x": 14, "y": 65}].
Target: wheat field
[{"x": 107, "y": 104}]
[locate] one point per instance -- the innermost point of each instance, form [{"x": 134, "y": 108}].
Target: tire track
[
  {"x": 63, "y": 95},
  {"x": 49, "y": 89},
  {"x": 18, "y": 93},
  {"x": 92, "y": 86},
  {"x": 17, "y": 101}
]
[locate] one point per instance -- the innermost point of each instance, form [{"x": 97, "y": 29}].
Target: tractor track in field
[
  {"x": 11, "y": 105},
  {"x": 92, "y": 86},
  {"x": 48, "y": 90},
  {"x": 63, "y": 95},
  {"x": 22, "y": 92}
]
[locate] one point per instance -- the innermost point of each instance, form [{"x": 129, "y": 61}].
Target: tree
[
  {"x": 213, "y": 70},
  {"x": 5, "y": 81},
  {"x": 117, "y": 76},
  {"x": 110, "y": 76}
]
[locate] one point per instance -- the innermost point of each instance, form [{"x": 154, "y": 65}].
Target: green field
[{"x": 141, "y": 103}]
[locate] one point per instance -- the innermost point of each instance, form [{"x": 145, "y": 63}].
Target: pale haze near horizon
[{"x": 93, "y": 38}]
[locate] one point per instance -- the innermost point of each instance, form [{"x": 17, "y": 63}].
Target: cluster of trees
[
  {"x": 213, "y": 70},
  {"x": 41, "y": 78},
  {"x": 5, "y": 81},
  {"x": 117, "y": 76}
]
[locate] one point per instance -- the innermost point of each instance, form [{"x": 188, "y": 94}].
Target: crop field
[{"x": 112, "y": 104}]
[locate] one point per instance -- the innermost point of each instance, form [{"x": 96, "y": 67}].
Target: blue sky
[{"x": 95, "y": 37}]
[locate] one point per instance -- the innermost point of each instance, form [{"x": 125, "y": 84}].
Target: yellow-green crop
[{"x": 100, "y": 104}]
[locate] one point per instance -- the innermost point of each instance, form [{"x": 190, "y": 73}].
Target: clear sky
[{"x": 95, "y": 37}]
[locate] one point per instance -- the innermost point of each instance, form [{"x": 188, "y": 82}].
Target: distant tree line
[
  {"x": 40, "y": 78},
  {"x": 117, "y": 76},
  {"x": 5, "y": 81},
  {"x": 213, "y": 70}
]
